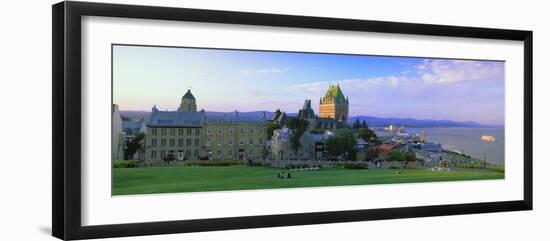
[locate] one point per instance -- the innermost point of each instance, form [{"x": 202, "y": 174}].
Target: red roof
[{"x": 386, "y": 147}]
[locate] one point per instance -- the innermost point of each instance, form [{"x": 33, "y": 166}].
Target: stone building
[
  {"x": 279, "y": 117},
  {"x": 235, "y": 137},
  {"x": 117, "y": 134},
  {"x": 316, "y": 122},
  {"x": 192, "y": 135},
  {"x": 334, "y": 104},
  {"x": 312, "y": 146}
]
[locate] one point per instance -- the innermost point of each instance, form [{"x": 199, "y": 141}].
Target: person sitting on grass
[{"x": 288, "y": 175}]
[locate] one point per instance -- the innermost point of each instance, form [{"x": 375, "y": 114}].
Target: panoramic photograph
[{"x": 201, "y": 119}]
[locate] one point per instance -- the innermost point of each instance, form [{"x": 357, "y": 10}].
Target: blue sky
[{"x": 228, "y": 80}]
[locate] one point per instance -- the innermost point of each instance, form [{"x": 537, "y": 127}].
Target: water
[{"x": 467, "y": 140}]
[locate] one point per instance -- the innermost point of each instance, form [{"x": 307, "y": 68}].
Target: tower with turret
[
  {"x": 188, "y": 103},
  {"x": 334, "y": 104}
]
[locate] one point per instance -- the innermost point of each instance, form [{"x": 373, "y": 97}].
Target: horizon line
[{"x": 350, "y": 116}]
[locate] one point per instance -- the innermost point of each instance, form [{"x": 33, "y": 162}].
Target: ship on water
[{"x": 488, "y": 138}]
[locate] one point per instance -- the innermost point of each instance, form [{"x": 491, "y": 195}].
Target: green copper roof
[{"x": 335, "y": 93}]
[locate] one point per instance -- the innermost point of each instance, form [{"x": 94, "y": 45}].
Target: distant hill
[
  {"x": 410, "y": 122},
  {"x": 136, "y": 115},
  {"x": 371, "y": 120}
]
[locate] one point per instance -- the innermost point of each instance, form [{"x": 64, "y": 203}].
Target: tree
[
  {"x": 125, "y": 118},
  {"x": 271, "y": 127},
  {"x": 169, "y": 157},
  {"x": 356, "y": 125},
  {"x": 366, "y": 134},
  {"x": 135, "y": 145},
  {"x": 342, "y": 144},
  {"x": 395, "y": 156},
  {"x": 410, "y": 156},
  {"x": 298, "y": 127},
  {"x": 401, "y": 156},
  {"x": 364, "y": 124}
]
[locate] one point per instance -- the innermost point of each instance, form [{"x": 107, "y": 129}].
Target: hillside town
[{"x": 307, "y": 139}]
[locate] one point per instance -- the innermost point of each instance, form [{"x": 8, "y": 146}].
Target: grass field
[{"x": 200, "y": 178}]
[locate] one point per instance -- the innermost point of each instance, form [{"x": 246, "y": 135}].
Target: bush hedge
[
  {"x": 125, "y": 163},
  {"x": 355, "y": 166},
  {"x": 219, "y": 163},
  {"x": 470, "y": 165}
]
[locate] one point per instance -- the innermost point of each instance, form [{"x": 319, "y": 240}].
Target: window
[
  {"x": 187, "y": 153},
  {"x": 251, "y": 130},
  {"x": 197, "y": 141},
  {"x": 208, "y": 141},
  {"x": 230, "y": 140},
  {"x": 208, "y": 131},
  {"x": 241, "y": 130},
  {"x": 153, "y": 154},
  {"x": 219, "y": 131},
  {"x": 196, "y": 153},
  {"x": 189, "y": 131},
  {"x": 154, "y": 131},
  {"x": 188, "y": 141},
  {"x": 180, "y": 131},
  {"x": 219, "y": 140},
  {"x": 197, "y": 132},
  {"x": 180, "y": 142},
  {"x": 163, "y": 131},
  {"x": 172, "y": 132},
  {"x": 172, "y": 142},
  {"x": 162, "y": 154},
  {"x": 251, "y": 141},
  {"x": 219, "y": 154},
  {"x": 261, "y": 131},
  {"x": 241, "y": 141},
  {"x": 230, "y": 131},
  {"x": 261, "y": 141},
  {"x": 153, "y": 142},
  {"x": 162, "y": 142},
  {"x": 230, "y": 153}
]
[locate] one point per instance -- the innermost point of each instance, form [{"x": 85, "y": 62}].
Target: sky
[{"x": 381, "y": 86}]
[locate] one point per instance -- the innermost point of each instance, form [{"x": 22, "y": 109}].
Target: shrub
[
  {"x": 219, "y": 163},
  {"x": 496, "y": 168},
  {"x": 393, "y": 167},
  {"x": 355, "y": 166},
  {"x": 260, "y": 164},
  {"x": 125, "y": 163},
  {"x": 470, "y": 165}
]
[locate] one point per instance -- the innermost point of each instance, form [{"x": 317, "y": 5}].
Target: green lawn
[{"x": 203, "y": 178}]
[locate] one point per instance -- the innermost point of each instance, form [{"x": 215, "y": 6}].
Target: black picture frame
[{"x": 66, "y": 158}]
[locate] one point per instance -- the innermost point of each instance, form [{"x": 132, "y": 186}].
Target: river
[{"x": 466, "y": 140}]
